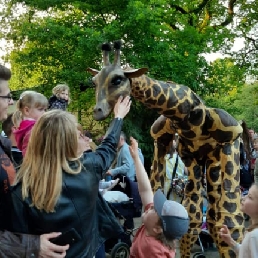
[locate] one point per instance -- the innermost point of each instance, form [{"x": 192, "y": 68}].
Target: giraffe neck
[{"x": 167, "y": 98}]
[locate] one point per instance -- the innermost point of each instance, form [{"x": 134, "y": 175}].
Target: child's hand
[
  {"x": 133, "y": 148},
  {"x": 225, "y": 235},
  {"x": 115, "y": 182}
]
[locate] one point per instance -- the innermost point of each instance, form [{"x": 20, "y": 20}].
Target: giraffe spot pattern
[
  {"x": 230, "y": 207},
  {"x": 204, "y": 133}
]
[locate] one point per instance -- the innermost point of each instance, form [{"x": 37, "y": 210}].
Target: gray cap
[{"x": 173, "y": 215}]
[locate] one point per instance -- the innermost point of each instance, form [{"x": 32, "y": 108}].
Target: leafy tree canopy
[
  {"x": 55, "y": 41},
  {"x": 241, "y": 104}
]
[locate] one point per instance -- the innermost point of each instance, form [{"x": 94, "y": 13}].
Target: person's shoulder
[
  {"x": 253, "y": 233},
  {"x": 6, "y": 142},
  {"x": 125, "y": 148},
  {"x": 27, "y": 124},
  {"x": 125, "y": 145},
  {"x": 52, "y": 99}
]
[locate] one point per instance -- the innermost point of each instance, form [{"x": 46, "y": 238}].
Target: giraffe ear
[
  {"x": 135, "y": 72},
  {"x": 92, "y": 71}
]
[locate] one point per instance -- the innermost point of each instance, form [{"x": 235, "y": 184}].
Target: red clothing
[
  {"x": 22, "y": 134},
  {"x": 147, "y": 246}
]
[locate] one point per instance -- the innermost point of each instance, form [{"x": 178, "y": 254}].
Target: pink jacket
[{"x": 22, "y": 134}]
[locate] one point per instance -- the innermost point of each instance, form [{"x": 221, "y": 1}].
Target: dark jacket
[
  {"x": 11, "y": 245},
  {"x": 57, "y": 103},
  {"x": 18, "y": 245},
  {"x": 79, "y": 206}
]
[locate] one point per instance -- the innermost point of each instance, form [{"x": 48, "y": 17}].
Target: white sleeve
[{"x": 253, "y": 246}]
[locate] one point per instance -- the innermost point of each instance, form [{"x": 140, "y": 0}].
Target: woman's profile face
[{"x": 83, "y": 143}]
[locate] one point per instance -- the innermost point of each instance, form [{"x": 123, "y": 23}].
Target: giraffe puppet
[{"x": 208, "y": 141}]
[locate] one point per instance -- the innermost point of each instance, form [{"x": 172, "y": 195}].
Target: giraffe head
[{"x": 112, "y": 81}]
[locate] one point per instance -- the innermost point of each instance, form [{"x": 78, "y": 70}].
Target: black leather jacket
[{"x": 80, "y": 206}]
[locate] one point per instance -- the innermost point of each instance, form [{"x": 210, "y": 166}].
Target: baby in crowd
[{"x": 60, "y": 98}]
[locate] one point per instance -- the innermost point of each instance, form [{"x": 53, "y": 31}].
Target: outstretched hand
[
  {"x": 225, "y": 235},
  {"x": 122, "y": 107},
  {"x": 134, "y": 148}
]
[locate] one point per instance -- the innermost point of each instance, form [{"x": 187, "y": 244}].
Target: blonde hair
[
  {"x": 30, "y": 99},
  {"x": 53, "y": 143},
  {"x": 59, "y": 88},
  {"x": 17, "y": 118}
]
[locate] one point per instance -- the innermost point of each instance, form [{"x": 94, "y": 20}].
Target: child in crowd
[
  {"x": 60, "y": 98},
  {"x": 249, "y": 247},
  {"x": 30, "y": 107},
  {"x": 164, "y": 221}
]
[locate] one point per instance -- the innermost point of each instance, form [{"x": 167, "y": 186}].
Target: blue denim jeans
[{"x": 101, "y": 252}]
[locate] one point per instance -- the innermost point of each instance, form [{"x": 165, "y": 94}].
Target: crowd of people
[
  {"x": 54, "y": 185},
  {"x": 51, "y": 179}
]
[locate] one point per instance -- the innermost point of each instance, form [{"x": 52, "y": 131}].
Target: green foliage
[
  {"x": 241, "y": 104},
  {"x": 55, "y": 41}
]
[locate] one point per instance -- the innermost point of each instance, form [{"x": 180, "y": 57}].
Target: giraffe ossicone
[{"x": 208, "y": 142}]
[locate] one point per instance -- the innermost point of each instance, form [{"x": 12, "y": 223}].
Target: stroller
[{"x": 125, "y": 211}]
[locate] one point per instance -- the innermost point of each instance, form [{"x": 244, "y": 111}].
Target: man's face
[{"x": 4, "y": 102}]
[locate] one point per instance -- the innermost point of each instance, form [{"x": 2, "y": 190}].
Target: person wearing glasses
[{"x": 13, "y": 244}]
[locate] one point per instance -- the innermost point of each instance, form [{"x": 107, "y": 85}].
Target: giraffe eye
[{"x": 117, "y": 80}]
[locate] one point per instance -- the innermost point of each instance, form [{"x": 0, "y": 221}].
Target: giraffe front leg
[
  {"x": 193, "y": 202},
  {"x": 162, "y": 134},
  {"x": 224, "y": 196}
]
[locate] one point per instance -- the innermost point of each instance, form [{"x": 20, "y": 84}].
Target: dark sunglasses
[{"x": 8, "y": 96}]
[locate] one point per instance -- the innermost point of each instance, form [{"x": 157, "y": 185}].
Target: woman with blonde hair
[
  {"x": 57, "y": 189},
  {"x": 60, "y": 98},
  {"x": 29, "y": 108}
]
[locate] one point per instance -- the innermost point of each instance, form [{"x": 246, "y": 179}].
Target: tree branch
[
  {"x": 180, "y": 9},
  {"x": 206, "y": 19},
  {"x": 200, "y": 6},
  {"x": 230, "y": 16},
  {"x": 253, "y": 41}
]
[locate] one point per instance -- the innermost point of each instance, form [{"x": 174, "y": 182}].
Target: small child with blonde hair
[
  {"x": 249, "y": 247},
  {"x": 60, "y": 98},
  {"x": 29, "y": 108}
]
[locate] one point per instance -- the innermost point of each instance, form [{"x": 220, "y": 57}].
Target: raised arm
[
  {"x": 106, "y": 151},
  {"x": 144, "y": 185}
]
